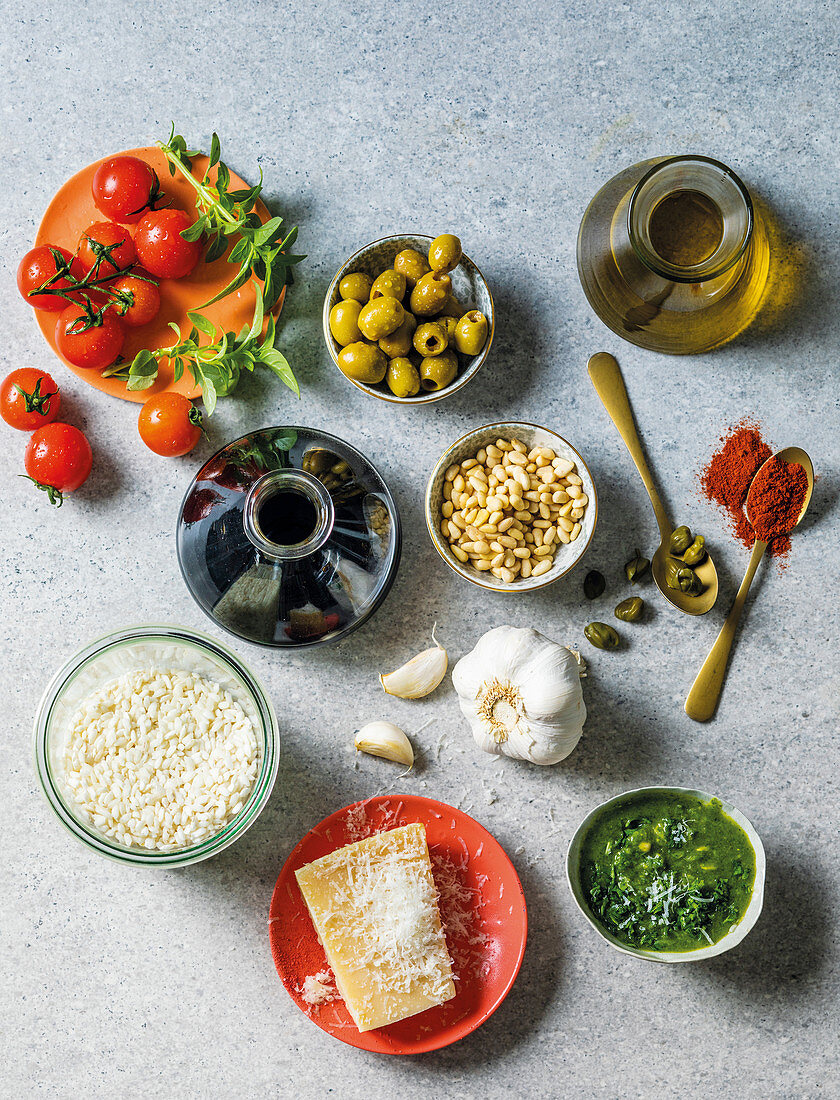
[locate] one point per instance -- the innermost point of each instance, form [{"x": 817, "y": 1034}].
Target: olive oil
[
  {"x": 287, "y": 517},
  {"x": 686, "y": 228}
]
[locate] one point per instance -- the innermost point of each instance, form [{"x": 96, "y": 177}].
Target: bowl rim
[
  {"x": 739, "y": 932},
  {"x": 479, "y": 579},
  {"x": 461, "y": 380},
  {"x": 267, "y": 728}
]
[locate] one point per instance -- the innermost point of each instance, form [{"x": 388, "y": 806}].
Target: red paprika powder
[{"x": 776, "y": 497}]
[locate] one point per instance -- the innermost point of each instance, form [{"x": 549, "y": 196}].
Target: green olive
[
  {"x": 390, "y": 284},
  {"x": 636, "y": 567},
  {"x": 601, "y": 635},
  {"x": 630, "y": 610},
  {"x": 429, "y": 294},
  {"x": 450, "y": 324},
  {"x": 680, "y": 540},
  {"x": 381, "y": 317},
  {"x": 437, "y": 371},
  {"x": 399, "y": 343},
  {"x": 444, "y": 252},
  {"x": 412, "y": 264},
  {"x": 452, "y": 308},
  {"x": 344, "y": 322},
  {"x": 430, "y": 339},
  {"x": 356, "y": 287},
  {"x": 696, "y": 553},
  {"x": 402, "y": 377},
  {"x": 682, "y": 578},
  {"x": 471, "y": 333},
  {"x": 363, "y": 362}
]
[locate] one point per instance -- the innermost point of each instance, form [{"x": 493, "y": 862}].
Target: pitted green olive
[
  {"x": 412, "y": 264},
  {"x": 630, "y": 610},
  {"x": 452, "y": 308},
  {"x": 363, "y": 362},
  {"x": 680, "y": 540},
  {"x": 402, "y": 377},
  {"x": 390, "y": 284},
  {"x": 450, "y": 324},
  {"x": 344, "y": 322},
  {"x": 399, "y": 343},
  {"x": 429, "y": 294},
  {"x": 696, "y": 553},
  {"x": 445, "y": 252},
  {"x": 437, "y": 371},
  {"x": 355, "y": 286},
  {"x": 430, "y": 339},
  {"x": 682, "y": 578},
  {"x": 601, "y": 635},
  {"x": 381, "y": 317},
  {"x": 471, "y": 333}
]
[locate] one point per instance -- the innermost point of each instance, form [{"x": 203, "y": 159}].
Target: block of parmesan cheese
[{"x": 375, "y": 908}]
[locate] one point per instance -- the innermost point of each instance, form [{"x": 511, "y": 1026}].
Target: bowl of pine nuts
[{"x": 511, "y": 507}]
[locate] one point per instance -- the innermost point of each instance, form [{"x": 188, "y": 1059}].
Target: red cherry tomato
[
  {"x": 58, "y": 459},
  {"x": 39, "y": 268},
  {"x": 92, "y": 340},
  {"x": 169, "y": 424},
  {"x": 29, "y": 399},
  {"x": 106, "y": 247},
  {"x": 124, "y": 188},
  {"x": 138, "y": 301},
  {"x": 162, "y": 250}
]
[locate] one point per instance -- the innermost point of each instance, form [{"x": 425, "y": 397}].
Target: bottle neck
[{"x": 286, "y": 482}]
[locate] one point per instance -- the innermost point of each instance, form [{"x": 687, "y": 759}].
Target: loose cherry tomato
[
  {"x": 161, "y": 248},
  {"x": 124, "y": 188},
  {"x": 47, "y": 266},
  {"x": 139, "y": 299},
  {"x": 106, "y": 248},
  {"x": 89, "y": 338},
  {"x": 169, "y": 424},
  {"x": 29, "y": 399},
  {"x": 58, "y": 459}
]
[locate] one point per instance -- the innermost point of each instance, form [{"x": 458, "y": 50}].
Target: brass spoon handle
[
  {"x": 705, "y": 691},
  {"x": 605, "y": 374}
]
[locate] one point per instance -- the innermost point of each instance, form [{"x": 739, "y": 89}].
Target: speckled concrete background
[{"x": 499, "y": 122}]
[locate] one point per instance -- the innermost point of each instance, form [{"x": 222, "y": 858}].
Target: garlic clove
[
  {"x": 386, "y": 740},
  {"x": 419, "y": 676}
]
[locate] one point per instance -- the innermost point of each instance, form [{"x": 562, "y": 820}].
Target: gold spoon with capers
[
  {"x": 605, "y": 374},
  {"x": 703, "y": 698}
]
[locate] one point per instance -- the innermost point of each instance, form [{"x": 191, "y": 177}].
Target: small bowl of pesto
[{"x": 668, "y": 873}]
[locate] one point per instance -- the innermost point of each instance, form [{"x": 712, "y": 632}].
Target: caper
[
  {"x": 402, "y": 377},
  {"x": 696, "y": 553},
  {"x": 682, "y": 578},
  {"x": 390, "y": 284},
  {"x": 399, "y": 343},
  {"x": 355, "y": 286},
  {"x": 430, "y": 339},
  {"x": 471, "y": 333},
  {"x": 412, "y": 264},
  {"x": 363, "y": 362},
  {"x": 630, "y": 610},
  {"x": 344, "y": 322},
  {"x": 437, "y": 371},
  {"x": 636, "y": 567},
  {"x": 680, "y": 540},
  {"x": 429, "y": 294},
  {"x": 593, "y": 584},
  {"x": 601, "y": 635},
  {"x": 381, "y": 317},
  {"x": 445, "y": 252}
]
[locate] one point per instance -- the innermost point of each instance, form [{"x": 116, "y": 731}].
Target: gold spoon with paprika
[
  {"x": 605, "y": 374},
  {"x": 705, "y": 692}
]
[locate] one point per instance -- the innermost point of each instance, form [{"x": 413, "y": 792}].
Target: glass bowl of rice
[{"x": 156, "y": 745}]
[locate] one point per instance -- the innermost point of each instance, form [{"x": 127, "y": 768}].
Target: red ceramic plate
[
  {"x": 482, "y": 907},
  {"x": 69, "y": 214}
]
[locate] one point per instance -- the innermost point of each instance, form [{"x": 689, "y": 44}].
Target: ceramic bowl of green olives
[{"x": 409, "y": 318}]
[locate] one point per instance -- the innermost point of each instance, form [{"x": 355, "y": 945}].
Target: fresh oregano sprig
[{"x": 262, "y": 249}]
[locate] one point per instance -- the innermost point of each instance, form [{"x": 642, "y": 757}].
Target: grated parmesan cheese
[{"x": 318, "y": 989}]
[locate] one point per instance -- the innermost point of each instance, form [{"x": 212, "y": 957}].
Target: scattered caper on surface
[
  {"x": 636, "y": 567},
  {"x": 680, "y": 540},
  {"x": 682, "y": 578},
  {"x": 630, "y": 610},
  {"x": 402, "y": 377},
  {"x": 445, "y": 252},
  {"x": 601, "y": 635},
  {"x": 696, "y": 553},
  {"x": 593, "y": 584},
  {"x": 355, "y": 287}
]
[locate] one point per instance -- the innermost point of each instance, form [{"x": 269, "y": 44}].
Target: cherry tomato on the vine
[
  {"x": 107, "y": 248},
  {"x": 58, "y": 459},
  {"x": 162, "y": 250},
  {"x": 89, "y": 338},
  {"x": 47, "y": 266},
  {"x": 138, "y": 299},
  {"x": 29, "y": 399},
  {"x": 124, "y": 188},
  {"x": 169, "y": 424}
]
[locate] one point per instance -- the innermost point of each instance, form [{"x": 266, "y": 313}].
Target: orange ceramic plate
[
  {"x": 482, "y": 907},
  {"x": 73, "y": 210}
]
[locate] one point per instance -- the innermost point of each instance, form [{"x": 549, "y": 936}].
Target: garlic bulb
[
  {"x": 386, "y": 740},
  {"x": 419, "y": 676},
  {"x": 521, "y": 694}
]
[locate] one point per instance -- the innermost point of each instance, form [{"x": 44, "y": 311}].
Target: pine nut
[
  {"x": 499, "y": 559},
  {"x": 451, "y": 473},
  {"x": 526, "y": 569},
  {"x": 518, "y": 458},
  {"x": 563, "y": 466},
  {"x": 543, "y": 567},
  {"x": 576, "y": 513},
  {"x": 549, "y": 536},
  {"x": 470, "y": 516},
  {"x": 575, "y": 531},
  {"x": 564, "y": 524},
  {"x": 531, "y": 468},
  {"x": 444, "y": 529},
  {"x": 481, "y": 456},
  {"x": 447, "y": 509},
  {"x": 582, "y": 500},
  {"x": 483, "y": 565},
  {"x": 574, "y": 479},
  {"x": 506, "y": 540},
  {"x": 496, "y": 547},
  {"x": 506, "y": 524},
  {"x": 495, "y": 516},
  {"x": 468, "y": 463},
  {"x": 460, "y": 554},
  {"x": 538, "y": 537},
  {"x": 522, "y": 552},
  {"x": 546, "y": 474},
  {"x": 544, "y": 511},
  {"x": 447, "y": 490},
  {"x": 454, "y": 533},
  {"x": 500, "y": 474},
  {"x": 482, "y": 517},
  {"x": 522, "y": 516},
  {"x": 493, "y": 452},
  {"x": 521, "y": 478},
  {"x": 458, "y": 483},
  {"x": 481, "y": 497},
  {"x": 559, "y": 497},
  {"x": 503, "y": 445},
  {"x": 518, "y": 445},
  {"x": 564, "y": 511},
  {"x": 563, "y": 535},
  {"x": 574, "y": 492},
  {"x": 507, "y": 576}
]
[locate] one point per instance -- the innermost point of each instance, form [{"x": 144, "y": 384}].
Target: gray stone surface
[{"x": 499, "y": 122}]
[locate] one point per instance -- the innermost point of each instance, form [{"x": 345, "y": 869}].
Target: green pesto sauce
[{"x": 667, "y": 872}]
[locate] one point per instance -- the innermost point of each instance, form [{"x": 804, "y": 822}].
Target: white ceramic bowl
[
  {"x": 532, "y": 435},
  {"x": 730, "y": 940}
]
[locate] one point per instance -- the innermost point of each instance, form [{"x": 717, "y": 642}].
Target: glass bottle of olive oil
[{"x": 673, "y": 255}]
